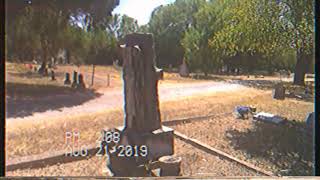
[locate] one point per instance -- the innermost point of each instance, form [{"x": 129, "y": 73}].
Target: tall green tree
[
  {"x": 207, "y": 22},
  {"x": 121, "y": 25},
  {"x": 251, "y": 28},
  {"x": 168, "y": 24},
  {"x": 299, "y": 18},
  {"x": 48, "y": 20}
]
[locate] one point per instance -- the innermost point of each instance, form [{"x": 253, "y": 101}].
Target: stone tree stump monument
[
  {"x": 142, "y": 121},
  {"x": 140, "y": 84}
]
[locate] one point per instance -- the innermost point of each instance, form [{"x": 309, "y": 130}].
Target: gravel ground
[
  {"x": 112, "y": 99},
  {"x": 194, "y": 163}
]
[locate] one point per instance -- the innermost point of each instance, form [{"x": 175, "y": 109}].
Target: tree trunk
[
  {"x": 300, "y": 69},
  {"x": 67, "y": 57},
  {"x": 43, "y": 66}
]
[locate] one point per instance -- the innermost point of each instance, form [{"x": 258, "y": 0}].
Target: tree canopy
[{"x": 209, "y": 34}]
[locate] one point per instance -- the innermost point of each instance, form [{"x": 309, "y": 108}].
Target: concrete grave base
[{"x": 159, "y": 143}]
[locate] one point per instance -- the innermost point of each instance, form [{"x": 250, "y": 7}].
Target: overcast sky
[{"x": 139, "y": 9}]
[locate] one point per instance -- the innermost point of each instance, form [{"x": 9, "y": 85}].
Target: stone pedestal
[{"x": 159, "y": 143}]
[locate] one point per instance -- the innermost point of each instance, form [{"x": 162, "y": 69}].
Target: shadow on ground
[
  {"x": 288, "y": 146},
  {"x": 259, "y": 84},
  {"x": 32, "y": 74},
  {"x": 208, "y": 77},
  {"x": 25, "y": 99}
]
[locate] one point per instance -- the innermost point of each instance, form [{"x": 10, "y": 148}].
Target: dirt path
[{"x": 114, "y": 98}]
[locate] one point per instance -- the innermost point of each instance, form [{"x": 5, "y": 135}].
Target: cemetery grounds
[{"x": 284, "y": 149}]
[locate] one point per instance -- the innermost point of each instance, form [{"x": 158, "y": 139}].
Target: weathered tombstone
[
  {"x": 278, "y": 92},
  {"x": 67, "y": 79},
  {"x": 40, "y": 69},
  {"x": 310, "y": 120},
  {"x": 81, "y": 84},
  {"x": 75, "y": 79},
  {"x": 53, "y": 77},
  {"x": 142, "y": 122},
  {"x": 183, "y": 69}
]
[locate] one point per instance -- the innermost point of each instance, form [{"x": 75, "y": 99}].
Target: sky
[{"x": 139, "y": 9}]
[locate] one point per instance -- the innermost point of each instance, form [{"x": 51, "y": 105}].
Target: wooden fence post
[{"x": 92, "y": 77}]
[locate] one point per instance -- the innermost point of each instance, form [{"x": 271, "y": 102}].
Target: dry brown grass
[
  {"x": 23, "y": 81},
  {"x": 26, "y": 138},
  {"x": 283, "y": 149},
  {"x": 35, "y": 137}
]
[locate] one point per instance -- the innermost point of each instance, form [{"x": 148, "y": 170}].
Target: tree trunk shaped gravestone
[
  {"x": 141, "y": 84},
  {"x": 142, "y": 122}
]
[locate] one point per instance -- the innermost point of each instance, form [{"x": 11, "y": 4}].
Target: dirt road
[{"x": 114, "y": 98}]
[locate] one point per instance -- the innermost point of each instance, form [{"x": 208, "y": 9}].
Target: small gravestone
[
  {"x": 41, "y": 68},
  {"x": 183, "y": 69},
  {"x": 278, "y": 92},
  {"x": 53, "y": 78},
  {"x": 67, "y": 79},
  {"x": 74, "y": 79},
  {"x": 310, "y": 120},
  {"x": 81, "y": 84}
]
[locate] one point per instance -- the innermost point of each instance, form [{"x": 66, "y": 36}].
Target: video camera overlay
[{"x": 153, "y": 88}]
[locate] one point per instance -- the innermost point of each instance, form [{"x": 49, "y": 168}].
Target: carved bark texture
[{"x": 142, "y": 112}]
